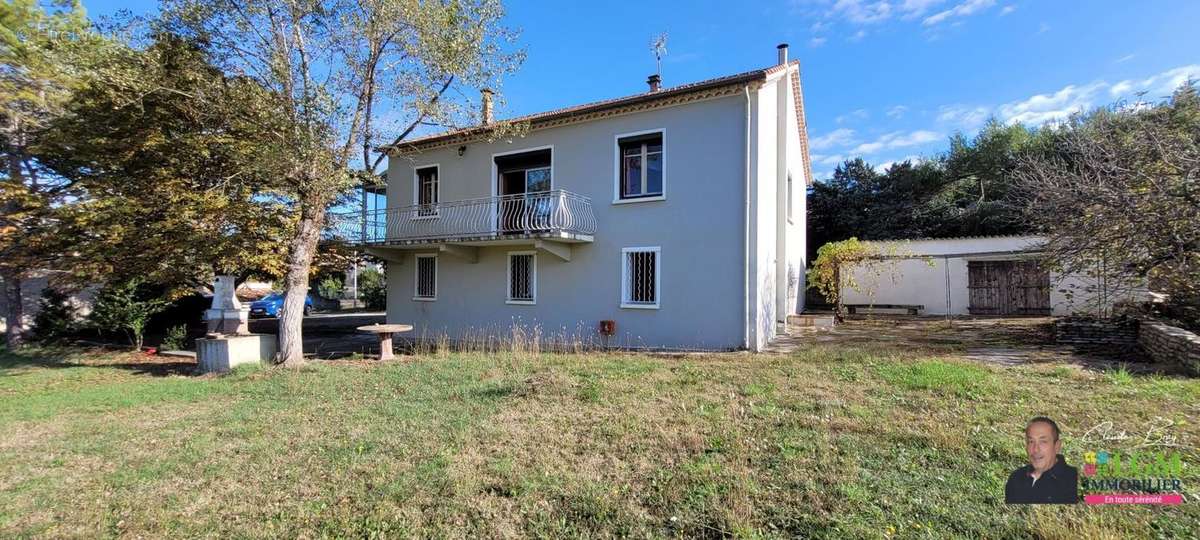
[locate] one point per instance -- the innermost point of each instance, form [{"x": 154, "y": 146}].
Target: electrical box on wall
[{"x": 608, "y": 328}]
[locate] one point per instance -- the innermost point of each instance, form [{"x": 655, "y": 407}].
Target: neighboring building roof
[
  {"x": 973, "y": 237},
  {"x": 668, "y": 96}
]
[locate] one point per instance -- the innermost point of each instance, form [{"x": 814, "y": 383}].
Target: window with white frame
[
  {"x": 425, "y": 287},
  {"x": 522, "y": 277},
  {"x": 641, "y": 166},
  {"x": 641, "y": 277},
  {"x": 427, "y": 191}
]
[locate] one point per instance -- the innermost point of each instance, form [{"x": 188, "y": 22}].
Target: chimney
[
  {"x": 655, "y": 82},
  {"x": 782, "y": 52},
  {"x": 486, "y": 116}
]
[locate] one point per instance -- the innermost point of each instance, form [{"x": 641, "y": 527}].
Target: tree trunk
[
  {"x": 15, "y": 317},
  {"x": 300, "y": 256}
]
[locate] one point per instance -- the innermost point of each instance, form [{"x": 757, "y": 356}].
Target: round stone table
[{"x": 385, "y": 331}]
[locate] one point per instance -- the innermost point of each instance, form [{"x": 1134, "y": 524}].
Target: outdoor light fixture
[{"x": 462, "y": 150}]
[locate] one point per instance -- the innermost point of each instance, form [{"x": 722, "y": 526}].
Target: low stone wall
[
  {"x": 1121, "y": 333},
  {"x": 1170, "y": 345}
]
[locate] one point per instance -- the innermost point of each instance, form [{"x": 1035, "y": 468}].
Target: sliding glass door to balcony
[{"x": 524, "y": 182}]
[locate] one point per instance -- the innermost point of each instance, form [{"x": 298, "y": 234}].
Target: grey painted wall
[{"x": 699, "y": 228}]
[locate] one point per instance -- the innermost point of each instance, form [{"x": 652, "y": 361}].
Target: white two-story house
[{"x": 670, "y": 219}]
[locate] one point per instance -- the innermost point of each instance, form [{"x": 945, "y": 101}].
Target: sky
[{"x": 886, "y": 80}]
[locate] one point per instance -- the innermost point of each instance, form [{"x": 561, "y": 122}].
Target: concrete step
[{"x": 818, "y": 320}]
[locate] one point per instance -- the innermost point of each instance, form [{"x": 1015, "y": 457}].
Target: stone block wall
[
  {"x": 1171, "y": 345},
  {"x": 1121, "y": 333}
]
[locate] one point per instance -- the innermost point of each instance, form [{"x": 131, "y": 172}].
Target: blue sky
[{"x": 884, "y": 79}]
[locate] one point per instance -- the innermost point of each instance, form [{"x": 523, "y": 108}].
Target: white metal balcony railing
[{"x": 555, "y": 213}]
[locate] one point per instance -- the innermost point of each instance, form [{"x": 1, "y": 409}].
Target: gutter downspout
[{"x": 746, "y": 240}]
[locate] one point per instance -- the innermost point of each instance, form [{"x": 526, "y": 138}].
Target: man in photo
[{"x": 1046, "y": 479}]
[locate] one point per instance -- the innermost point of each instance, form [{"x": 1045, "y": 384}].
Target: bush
[
  {"x": 56, "y": 316},
  {"x": 125, "y": 307},
  {"x": 372, "y": 288},
  {"x": 176, "y": 339},
  {"x": 330, "y": 288}
]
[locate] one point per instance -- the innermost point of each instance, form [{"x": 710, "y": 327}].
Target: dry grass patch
[{"x": 832, "y": 441}]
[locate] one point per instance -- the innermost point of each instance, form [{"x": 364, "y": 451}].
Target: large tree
[
  {"x": 44, "y": 49},
  {"x": 160, "y": 148},
  {"x": 337, "y": 68},
  {"x": 1117, "y": 191}
]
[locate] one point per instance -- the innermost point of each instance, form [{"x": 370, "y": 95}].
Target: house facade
[{"x": 672, "y": 219}]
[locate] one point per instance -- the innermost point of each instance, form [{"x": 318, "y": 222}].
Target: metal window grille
[
  {"x": 521, "y": 274},
  {"x": 426, "y": 277},
  {"x": 641, "y": 277}
]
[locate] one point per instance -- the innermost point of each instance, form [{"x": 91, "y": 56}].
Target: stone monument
[
  {"x": 229, "y": 341},
  {"x": 227, "y": 316}
]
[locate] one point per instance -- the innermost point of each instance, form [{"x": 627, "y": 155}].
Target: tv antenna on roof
[{"x": 658, "y": 46}]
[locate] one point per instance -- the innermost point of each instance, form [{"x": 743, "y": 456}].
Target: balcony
[{"x": 555, "y": 216}]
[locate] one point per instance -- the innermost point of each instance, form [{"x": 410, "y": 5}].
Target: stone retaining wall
[
  {"x": 1170, "y": 345},
  {"x": 1121, "y": 333}
]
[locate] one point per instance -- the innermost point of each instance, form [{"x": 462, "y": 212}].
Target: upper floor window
[
  {"x": 427, "y": 191},
  {"x": 641, "y": 166}
]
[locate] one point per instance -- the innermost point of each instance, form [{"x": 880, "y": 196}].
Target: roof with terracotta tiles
[{"x": 667, "y": 96}]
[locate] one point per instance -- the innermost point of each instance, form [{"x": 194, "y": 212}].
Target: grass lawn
[{"x": 830, "y": 441}]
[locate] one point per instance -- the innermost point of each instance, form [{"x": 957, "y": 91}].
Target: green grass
[{"x": 828, "y": 442}]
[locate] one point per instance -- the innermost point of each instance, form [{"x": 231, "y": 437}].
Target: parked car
[{"x": 270, "y": 305}]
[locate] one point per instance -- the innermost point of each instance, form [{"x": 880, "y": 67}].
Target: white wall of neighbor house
[
  {"x": 698, "y": 227},
  {"x": 31, "y": 295},
  {"x": 926, "y": 278}
]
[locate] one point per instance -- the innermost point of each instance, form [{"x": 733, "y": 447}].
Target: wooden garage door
[{"x": 1008, "y": 288}]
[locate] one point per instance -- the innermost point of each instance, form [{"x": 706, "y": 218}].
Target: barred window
[
  {"x": 641, "y": 271},
  {"x": 426, "y": 280},
  {"x": 522, "y": 277},
  {"x": 427, "y": 191}
]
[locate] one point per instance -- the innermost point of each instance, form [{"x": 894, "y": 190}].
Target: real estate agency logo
[{"x": 1132, "y": 477}]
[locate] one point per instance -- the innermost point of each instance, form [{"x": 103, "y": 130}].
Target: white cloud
[
  {"x": 1125, "y": 58},
  {"x": 963, "y": 117},
  {"x": 896, "y": 139},
  {"x": 858, "y": 36},
  {"x": 1043, "y": 28},
  {"x": 1043, "y": 108},
  {"x": 855, "y": 115},
  {"x": 837, "y": 137},
  {"x": 862, "y": 12},
  {"x": 1157, "y": 86},
  {"x": 816, "y": 42},
  {"x": 897, "y": 112},
  {"x": 970, "y": 7},
  {"x": 883, "y": 167},
  {"x": 1007, "y": 9},
  {"x": 828, "y": 160}
]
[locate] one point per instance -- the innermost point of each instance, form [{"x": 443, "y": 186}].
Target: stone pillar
[{"x": 227, "y": 316}]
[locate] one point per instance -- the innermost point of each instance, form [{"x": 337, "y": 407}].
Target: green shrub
[
  {"x": 330, "y": 288},
  {"x": 372, "y": 288},
  {"x": 56, "y": 316},
  {"x": 125, "y": 307},
  {"x": 176, "y": 338}
]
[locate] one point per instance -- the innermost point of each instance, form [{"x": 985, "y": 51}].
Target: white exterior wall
[
  {"x": 924, "y": 280},
  {"x": 777, "y": 257}
]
